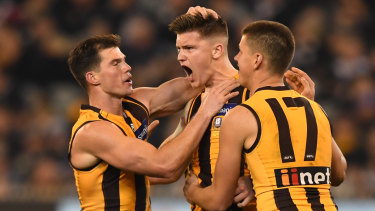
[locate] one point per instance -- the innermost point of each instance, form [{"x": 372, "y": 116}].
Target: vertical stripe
[
  {"x": 285, "y": 142},
  {"x": 312, "y": 127},
  {"x": 312, "y": 132},
  {"x": 204, "y": 159},
  {"x": 140, "y": 192},
  {"x": 110, "y": 186},
  {"x": 246, "y": 95},
  {"x": 283, "y": 200},
  {"x": 313, "y": 197},
  {"x": 194, "y": 107}
]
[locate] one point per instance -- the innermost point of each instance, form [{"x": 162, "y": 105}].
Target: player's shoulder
[
  {"x": 96, "y": 130},
  {"x": 239, "y": 113}
]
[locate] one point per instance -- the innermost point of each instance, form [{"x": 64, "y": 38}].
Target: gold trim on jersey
[{"x": 102, "y": 186}]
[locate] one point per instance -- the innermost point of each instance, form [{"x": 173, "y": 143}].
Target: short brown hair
[
  {"x": 204, "y": 26},
  {"x": 273, "y": 39},
  {"x": 85, "y": 55}
]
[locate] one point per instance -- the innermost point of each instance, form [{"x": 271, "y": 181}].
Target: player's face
[
  {"x": 194, "y": 55},
  {"x": 114, "y": 75},
  {"x": 243, "y": 59}
]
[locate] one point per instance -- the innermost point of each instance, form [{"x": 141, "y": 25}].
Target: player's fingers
[
  {"x": 227, "y": 86},
  {"x": 304, "y": 83},
  {"x": 304, "y": 75},
  {"x": 307, "y": 91},
  {"x": 239, "y": 197},
  {"x": 193, "y": 10},
  {"x": 292, "y": 76},
  {"x": 244, "y": 202},
  {"x": 204, "y": 12},
  {"x": 216, "y": 16},
  {"x": 152, "y": 126},
  {"x": 230, "y": 95},
  {"x": 292, "y": 84},
  {"x": 299, "y": 71},
  {"x": 238, "y": 190}
]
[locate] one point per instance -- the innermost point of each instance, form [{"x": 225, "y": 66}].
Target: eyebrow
[{"x": 118, "y": 60}]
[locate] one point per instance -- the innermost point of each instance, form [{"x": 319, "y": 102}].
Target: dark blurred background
[{"x": 39, "y": 99}]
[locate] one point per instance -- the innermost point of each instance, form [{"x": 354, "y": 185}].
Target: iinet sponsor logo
[{"x": 302, "y": 176}]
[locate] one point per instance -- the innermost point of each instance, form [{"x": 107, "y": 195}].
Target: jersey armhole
[
  {"x": 71, "y": 144},
  {"x": 259, "y": 128},
  {"x": 70, "y": 150}
]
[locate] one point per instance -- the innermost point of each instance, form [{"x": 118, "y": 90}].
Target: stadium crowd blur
[{"x": 39, "y": 99}]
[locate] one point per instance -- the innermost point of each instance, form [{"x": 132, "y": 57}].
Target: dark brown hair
[
  {"x": 85, "y": 56},
  {"x": 204, "y": 26},
  {"x": 273, "y": 39}
]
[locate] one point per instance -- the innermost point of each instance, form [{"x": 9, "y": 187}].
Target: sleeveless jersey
[
  {"x": 205, "y": 157},
  {"x": 290, "y": 160},
  {"x": 102, "y": 186}
]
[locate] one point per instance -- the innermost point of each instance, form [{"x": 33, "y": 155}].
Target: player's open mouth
[{"x": 188, "y": 71}]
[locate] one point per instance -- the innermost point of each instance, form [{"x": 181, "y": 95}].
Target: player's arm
[
  {"x": 166, "y": 99},
  {"x": 338, "y": 167},
  {"x": 239, "y": 129},
  {"x": 300, "y": 82},
  {"x": 105, "y": 141},
  {"x": 178, "y": 173}
]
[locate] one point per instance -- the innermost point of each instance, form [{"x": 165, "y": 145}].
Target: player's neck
[
  {"x": 223, "y": 70},
  {"x": 264, "y": 80},
  {"x": 106, "y": 102}
]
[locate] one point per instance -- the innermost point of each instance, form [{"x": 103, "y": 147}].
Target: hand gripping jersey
[
  {"x": 204, "y": 158},
  {"x": 102, "y": 186},
  {"x": 290, "y": 160}
]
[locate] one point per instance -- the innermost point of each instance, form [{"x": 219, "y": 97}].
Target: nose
[
  {"x": 127, "y": 68},
  {"x": 181, "y": 56},
  {"x": 236, "y": 57}
]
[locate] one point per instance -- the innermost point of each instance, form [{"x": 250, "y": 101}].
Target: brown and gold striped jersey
[
  {"x": 290, "y": 160},
  {"x": 205, "y": 157},
  {"x": 102, "y": 186}
]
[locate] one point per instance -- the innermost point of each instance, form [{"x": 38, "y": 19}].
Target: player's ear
[
  {"x": 258, "y": 59},
  {"x": 217, "y": 51},
  {"x": 92, "y": 78}
]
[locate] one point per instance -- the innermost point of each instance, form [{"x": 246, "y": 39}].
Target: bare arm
[
  {"x": 220, "y": 194},
  {"x": 166, "y": 99},
  {"x": 103, "y": 140},
  {"x": 338, "y": 167},
  {"x": 177, "y": 174}
]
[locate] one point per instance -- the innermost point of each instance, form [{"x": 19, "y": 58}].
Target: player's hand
[
  {"x": 203, "y": 11},
  {"x": 244, "y": 192},
  {"x": 191, "y": 183},
  {"x": 300, "y": 82},
  {"x": 152, "y": 126},
  {"x": 214, "y": 98}
]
